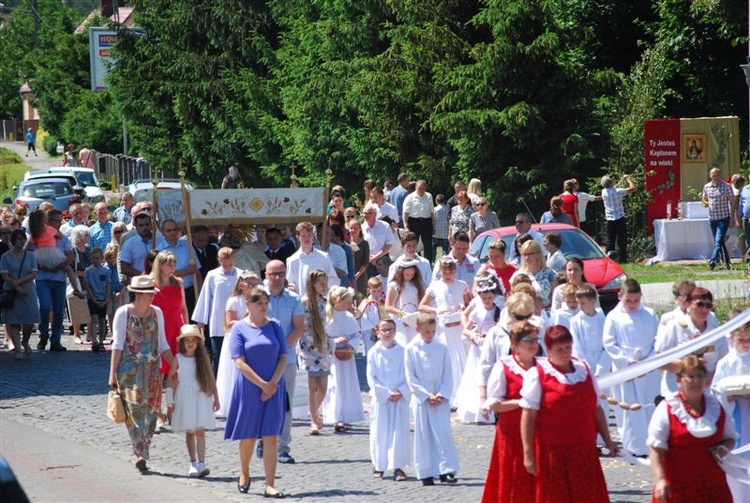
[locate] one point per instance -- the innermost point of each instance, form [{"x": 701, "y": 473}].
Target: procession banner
[
  {"x": 258, "y": 206},
  {"x": 171, "y": 206},
  {"x": 659, "y": 360}
]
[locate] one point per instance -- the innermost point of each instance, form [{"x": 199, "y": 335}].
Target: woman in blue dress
[{"x": 258, "y": 406}]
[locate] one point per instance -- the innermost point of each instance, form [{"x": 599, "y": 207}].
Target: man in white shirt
[
  {"x": 385, "y": 209},
  {"x": 307, "y": 259},
  {"x": 419, "y": 216},
  {"x": 378, "y": 235},
  {"x": 467, "y": 266}
]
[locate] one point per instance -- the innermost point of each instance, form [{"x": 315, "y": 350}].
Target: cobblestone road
[{"x": 65, "y": 394}]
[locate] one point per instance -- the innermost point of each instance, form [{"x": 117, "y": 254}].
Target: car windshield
[
  {"x": 86, "y": 179},
  {"x": 574, "y": 244},
  {"x": 47, "y": 190}
]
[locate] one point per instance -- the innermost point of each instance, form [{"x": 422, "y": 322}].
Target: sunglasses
[
  {"x": 481, "y": 204},
  {"x": 521, "y": 317},
  {"x": 701, "y": 303},
  {"x": 530, "y": 340},
  {"x": 119, "y": 232}
]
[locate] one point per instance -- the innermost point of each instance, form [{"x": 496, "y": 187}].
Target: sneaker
[
  {"x": 259, "y": 449},
  {"x": 285, "y": 458},
  {"x": 193, "y": 470},
  {"x": 202, "y": 469},
  {"x": 56, "y": 346}
]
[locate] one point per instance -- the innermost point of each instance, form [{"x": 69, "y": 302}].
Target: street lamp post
[{"x": 746, "y": 70}]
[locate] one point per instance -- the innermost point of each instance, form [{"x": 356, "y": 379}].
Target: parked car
[
  {"x": 598, "y": 268},
  {"x": 84, "y": 177},
  {"x": 142, "y": 190},
  {"x": 58, "y": 191}
]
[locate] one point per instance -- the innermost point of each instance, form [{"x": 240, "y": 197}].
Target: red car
[{"x": 598, "y": 269}]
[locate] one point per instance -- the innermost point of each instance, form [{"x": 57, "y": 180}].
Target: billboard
[{"x": 101, "y": 42}]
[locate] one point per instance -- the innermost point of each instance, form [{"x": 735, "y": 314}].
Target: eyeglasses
[
  {"x": 702, "y": 303},
  {"x": 521, "y": 317},
  {"x": 530, "y": 340},
  {"x": 275, "y": 274},
  {"x": 349, "y": 217}
]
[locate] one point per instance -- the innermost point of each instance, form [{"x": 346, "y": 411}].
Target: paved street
[{"x": 56, "y": 437}]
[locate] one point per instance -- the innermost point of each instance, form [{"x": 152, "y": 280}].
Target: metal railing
[{"x": 122, "y": 170}]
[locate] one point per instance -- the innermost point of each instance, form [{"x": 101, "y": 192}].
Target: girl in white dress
[
  {"x": 447, "y": 297},
  {"x": 478, "y": 318},
  {"x": 195, "y": 397},
  {"x": 402, "y": 300},
  {"x": 343, "y": 402},
  {"x": 236, "y": 309}
]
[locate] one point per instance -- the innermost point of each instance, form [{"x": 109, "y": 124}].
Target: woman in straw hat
[{"x": 139, "y": 340}]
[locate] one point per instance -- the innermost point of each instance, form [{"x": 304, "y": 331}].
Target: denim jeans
[
  {"x": 51, "y": 297},
  {"x": 442, "y": 243},
  {"x": 719, "y": 232}
]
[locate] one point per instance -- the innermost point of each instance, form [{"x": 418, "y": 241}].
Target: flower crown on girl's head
[{"x": 408, "y": 263}]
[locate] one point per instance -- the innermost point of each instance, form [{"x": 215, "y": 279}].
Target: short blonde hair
[
  {"x": 424, "y": 319},
  {"x": 569, "y": 289},
  {"x": 225, "y": 252}
]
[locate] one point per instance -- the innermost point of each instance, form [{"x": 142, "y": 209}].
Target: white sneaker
[
  {"x": 193, "y": 470},
  {"x": 202, "y": 469}
]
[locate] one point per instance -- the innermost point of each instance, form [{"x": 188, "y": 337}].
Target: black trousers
[
  {"x": 617, "y": 231},
  {"x": 423, "y": 228}
]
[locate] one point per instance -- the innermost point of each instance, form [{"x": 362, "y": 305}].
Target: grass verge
[
  {"x": 669, "y": 273},
  {"x": 10, "y": 175}
]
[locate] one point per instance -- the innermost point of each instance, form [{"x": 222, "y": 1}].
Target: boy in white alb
[
  {"x": 569, "y": 308},
  {"x": 389, "y": 409},
  {"x": 629, "y": 333},
  {"x": 428, "y": 373}
]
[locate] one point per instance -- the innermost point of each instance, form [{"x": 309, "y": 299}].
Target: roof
[{"x": 124, "y": 16}]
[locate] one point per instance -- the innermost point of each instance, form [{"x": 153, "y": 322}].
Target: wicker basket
[{"x": 344, "y": 353}]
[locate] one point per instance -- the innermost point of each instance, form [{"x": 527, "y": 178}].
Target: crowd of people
[{"x": 519, "y": 341}]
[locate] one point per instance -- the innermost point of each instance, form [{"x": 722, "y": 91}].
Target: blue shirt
[
  {"x": 613, "y": 208},
  {"x": 134, "y": 252},
  {"x": 182, "y": 253},
  {"x": 122, "y": 214},
  {"x": 283, "y": 309},
  {"x": 114, "y": 279},
  {"x": 397, "y": 197},
  {"x": 100, "y": 235},
  {"x": 744, "y": 206},
  {"x": 97, "y": 278}
]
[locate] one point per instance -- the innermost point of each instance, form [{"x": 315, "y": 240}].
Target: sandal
[
  {"x": 378, "y": 475},
  {"x": 314, "y": 430},
  {"x": 339, "y": 427},
  {"x": 399, "y": 475}
]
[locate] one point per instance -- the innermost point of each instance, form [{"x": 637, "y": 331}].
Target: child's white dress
[
  {"x": 343, "y": 402},
  {"x": 467, "y": 396},
  {"x": 193, "y": 409},
  {"x": 407, "y": 302}
]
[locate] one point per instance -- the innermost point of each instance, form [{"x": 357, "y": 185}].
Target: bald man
[{"x": 719, "y": 197}]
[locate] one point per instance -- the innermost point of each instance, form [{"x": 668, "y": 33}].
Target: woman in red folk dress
[
  {"x": 560, "y": 419},
  {"x": 507, "y": 479},
  {"x": 686, "y": 434},
  {"x": 570, "y": 201}
]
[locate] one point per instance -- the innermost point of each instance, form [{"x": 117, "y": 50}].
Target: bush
[
  {"x": 50, "y": 145},
  {"x": 9, "y": 157}
]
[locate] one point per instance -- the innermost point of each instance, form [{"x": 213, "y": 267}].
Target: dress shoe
[
  {"x": 448, "y": 478},
  {"x": 429, "y": 481},
  {"x": 56, "y": 346}
]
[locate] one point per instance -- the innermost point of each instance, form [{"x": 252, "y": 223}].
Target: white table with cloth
[{"x": 689, "y": 239}]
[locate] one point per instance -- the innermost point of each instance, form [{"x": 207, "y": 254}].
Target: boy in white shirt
[
  {"x": 389, "y": 409},
  {"x": 569, "y": 309},
  {"x": 428, "y": 373}
]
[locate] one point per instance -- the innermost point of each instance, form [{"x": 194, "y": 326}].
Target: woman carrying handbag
[{"x": 18, "y": 269}]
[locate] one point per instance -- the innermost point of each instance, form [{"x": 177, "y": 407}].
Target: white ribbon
[{"x": 659, "y": 360}]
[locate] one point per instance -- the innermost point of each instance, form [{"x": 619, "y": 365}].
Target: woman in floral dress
[{"x": 139, "y": 340}]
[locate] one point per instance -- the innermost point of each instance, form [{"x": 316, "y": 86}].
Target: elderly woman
[
  {"x": 258, "y": 405},
  {"x": 78, "y": 309},
  {"x": 700, "y": 303},
  {"x": 687, "y": 433},
  {"x": 507, "y": 479},
  {"x": 555, "y": 215},
  {"x": 533, "y": 265},
  {"x": 560, "y": 419},
  {"x": 18, "y": 269},
  {"x": 138, "y": 341},
  {"x": 460, "y": 214},
  {"x": 482, "y": 220}
]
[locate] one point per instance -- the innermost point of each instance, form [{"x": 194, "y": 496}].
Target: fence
[
  {"x": 122, "y": 170},
  {"x": 15, "y": 130}
]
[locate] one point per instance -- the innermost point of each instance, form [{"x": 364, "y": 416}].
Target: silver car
[{"x": 58, "y": 191}]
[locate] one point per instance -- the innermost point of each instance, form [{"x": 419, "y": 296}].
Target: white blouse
[
  {"x": 531, "y": 392},
  {"x": 120, "y": 326},
  {"x": 699, "y": 427}
]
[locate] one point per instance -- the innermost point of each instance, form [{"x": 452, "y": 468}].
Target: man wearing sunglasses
[{"x": 523, "y": 226}]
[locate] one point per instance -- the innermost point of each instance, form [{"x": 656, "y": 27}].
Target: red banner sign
[{"x": 661, "y": 142}]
